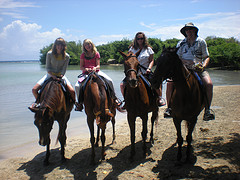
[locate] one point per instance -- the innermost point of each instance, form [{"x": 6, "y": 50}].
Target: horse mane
[{"x": 52, "y": 97}]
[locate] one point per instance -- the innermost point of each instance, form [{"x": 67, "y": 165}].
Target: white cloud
[
  {"x": 10, "y": 4},
  {"x": 219, "y": 24},
  {"x": 21, "y": 41},
  {"x": 10, "y": 8},
  {"x": 104, "y": 39}
]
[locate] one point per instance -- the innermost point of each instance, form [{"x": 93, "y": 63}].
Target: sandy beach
[{"x": 216, "y": 150}]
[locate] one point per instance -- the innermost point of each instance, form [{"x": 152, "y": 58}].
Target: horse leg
[
  {"x": 153, "y": 118},
  {"x": 131, "y": 123},
  {"x": 98, "y": 134},
  {"x": 177, "y": 124},
  {"x": 62, "y": 138},
  {"x": 103, "y": 139},
  {"x": 144, "y": 133},
  {"x": 191, "y": 126},
  {"x": 46, "y": 162},
  {"x": 113, "y": 126},
  {"x": 92, "y": 138}
]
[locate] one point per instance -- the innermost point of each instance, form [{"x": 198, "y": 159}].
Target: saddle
[
  {"x": 150, "y": 90},
  {"x": 63, "y": 86},
  {"x": 107, "y": 84}
]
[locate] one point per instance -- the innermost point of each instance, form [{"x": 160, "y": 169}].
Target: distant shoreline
[{"x": 19, "y": 61}]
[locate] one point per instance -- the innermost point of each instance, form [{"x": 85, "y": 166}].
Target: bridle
[{"x": 129, "y": 70}]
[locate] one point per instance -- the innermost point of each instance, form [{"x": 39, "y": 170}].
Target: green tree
[{"x": 43, "y": 53}]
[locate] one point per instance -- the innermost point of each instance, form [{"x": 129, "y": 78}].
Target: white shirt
[{"x": 143, "y": 57}]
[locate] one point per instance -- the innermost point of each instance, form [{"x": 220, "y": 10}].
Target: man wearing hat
[{"x": 193, "y": 52}]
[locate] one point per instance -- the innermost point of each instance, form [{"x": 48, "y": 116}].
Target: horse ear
[
  {"x": 34, "y": 109},
  {"x": 123, "y": 54},
  {"x": 137, "y": 54}
]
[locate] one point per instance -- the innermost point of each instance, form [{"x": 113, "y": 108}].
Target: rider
[
  {"x": 90, "y": 61},
  {"x": 145, "y": 59},
  {"x": 56, "y": 64},
  {"x": 193, "y": 52}
]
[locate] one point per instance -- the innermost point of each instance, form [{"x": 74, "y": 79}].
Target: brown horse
[
  {"x": 187, "y": 99},
  {"x": 54, "y": 105},
  {"x": 138, "y": 101},
  {"x": 100, "y": 106}
]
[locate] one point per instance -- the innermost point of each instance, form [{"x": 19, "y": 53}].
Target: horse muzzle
[
  {"x": 44, "y": 141},
  {"x": 133, "y": 83}
]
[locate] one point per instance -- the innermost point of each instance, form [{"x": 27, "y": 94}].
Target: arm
[{"x": 150, "y": 64}]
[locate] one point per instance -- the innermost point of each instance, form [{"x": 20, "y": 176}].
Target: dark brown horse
[
  {"x": 138, "y": 101},
  {"x": 187, "y": 99},
  {"x": 99, "y": 106},
  {"x": 54, "y": 105}
]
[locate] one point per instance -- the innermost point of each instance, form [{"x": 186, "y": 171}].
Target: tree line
[{"x": 224, "y": 52}]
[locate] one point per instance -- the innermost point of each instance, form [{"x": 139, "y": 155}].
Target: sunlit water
[{"x": 16, "y": 82}]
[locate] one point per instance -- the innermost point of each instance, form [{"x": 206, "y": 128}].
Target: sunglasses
[{"x": 139, "y": 38}]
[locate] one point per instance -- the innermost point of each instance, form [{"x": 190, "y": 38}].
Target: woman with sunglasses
[{"x": 145, "y": 59}]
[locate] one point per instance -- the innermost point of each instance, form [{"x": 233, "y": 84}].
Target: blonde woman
[{"x": 90, "y": 61}]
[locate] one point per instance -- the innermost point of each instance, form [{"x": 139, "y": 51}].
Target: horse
[
  {"x": 99, "y": 106},
  {"x": 55, "y": 104},
  {"x": 139, "y": 100},
  {"x": 187, "y": 99}
]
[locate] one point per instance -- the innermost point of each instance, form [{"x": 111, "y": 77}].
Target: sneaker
[
  {"x": 79, "y": 107},
  {"x": 208, "y": 115},
  {"x": 167, "y": 113},
  {"x": 161, "y": 102}
]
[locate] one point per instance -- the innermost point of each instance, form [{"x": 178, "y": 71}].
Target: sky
[{"x": 26, "y": 26}]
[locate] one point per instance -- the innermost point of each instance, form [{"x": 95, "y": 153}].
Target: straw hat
[{"x": 188, "y": 25}]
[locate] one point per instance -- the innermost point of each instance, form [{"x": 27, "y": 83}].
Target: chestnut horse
[
  {"x": 100, "y": 106},
  {"x": 138, "y": 102},
  {"x": 187, "y": 99},
  {"x": 54, "y": 105}
]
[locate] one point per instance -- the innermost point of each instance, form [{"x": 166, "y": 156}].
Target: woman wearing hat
[{"x": 193, "y": 52}]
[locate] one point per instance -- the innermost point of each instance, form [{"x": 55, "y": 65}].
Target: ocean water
[{"x": 16, "y": 82}]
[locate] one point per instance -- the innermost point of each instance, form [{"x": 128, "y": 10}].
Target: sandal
[{"x": 118, "y": 102}]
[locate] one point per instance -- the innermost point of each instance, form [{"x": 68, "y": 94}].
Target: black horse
[{"x": 187, "y": 99}]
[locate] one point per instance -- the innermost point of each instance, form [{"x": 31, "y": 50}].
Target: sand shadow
[
  {"x": 167, "y": 168},
  {"x": 122, "y": 163},
  {"x": 35, "y": 168}
]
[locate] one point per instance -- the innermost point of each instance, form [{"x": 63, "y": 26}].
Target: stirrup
[
  {"x": 167, "y": 113},
  {"x": 79, "y": 107}
]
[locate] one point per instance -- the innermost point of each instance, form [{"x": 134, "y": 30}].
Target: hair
[
  {"x": 88, "y": 41},
  {"x": 57, "y": 42},
  {"x": 135, "y": 44}
]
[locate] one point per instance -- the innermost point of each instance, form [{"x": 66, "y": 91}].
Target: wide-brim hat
[{"x": 188, "y": 25}]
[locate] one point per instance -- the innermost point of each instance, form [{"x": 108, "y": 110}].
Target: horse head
[
  {"x": 166, "y": 65},
  {"x": 44, "y": 122},
  {"x": 131, "y": 66}
]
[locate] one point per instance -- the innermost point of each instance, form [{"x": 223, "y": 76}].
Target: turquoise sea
[{"x": 17, "y": 131}]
